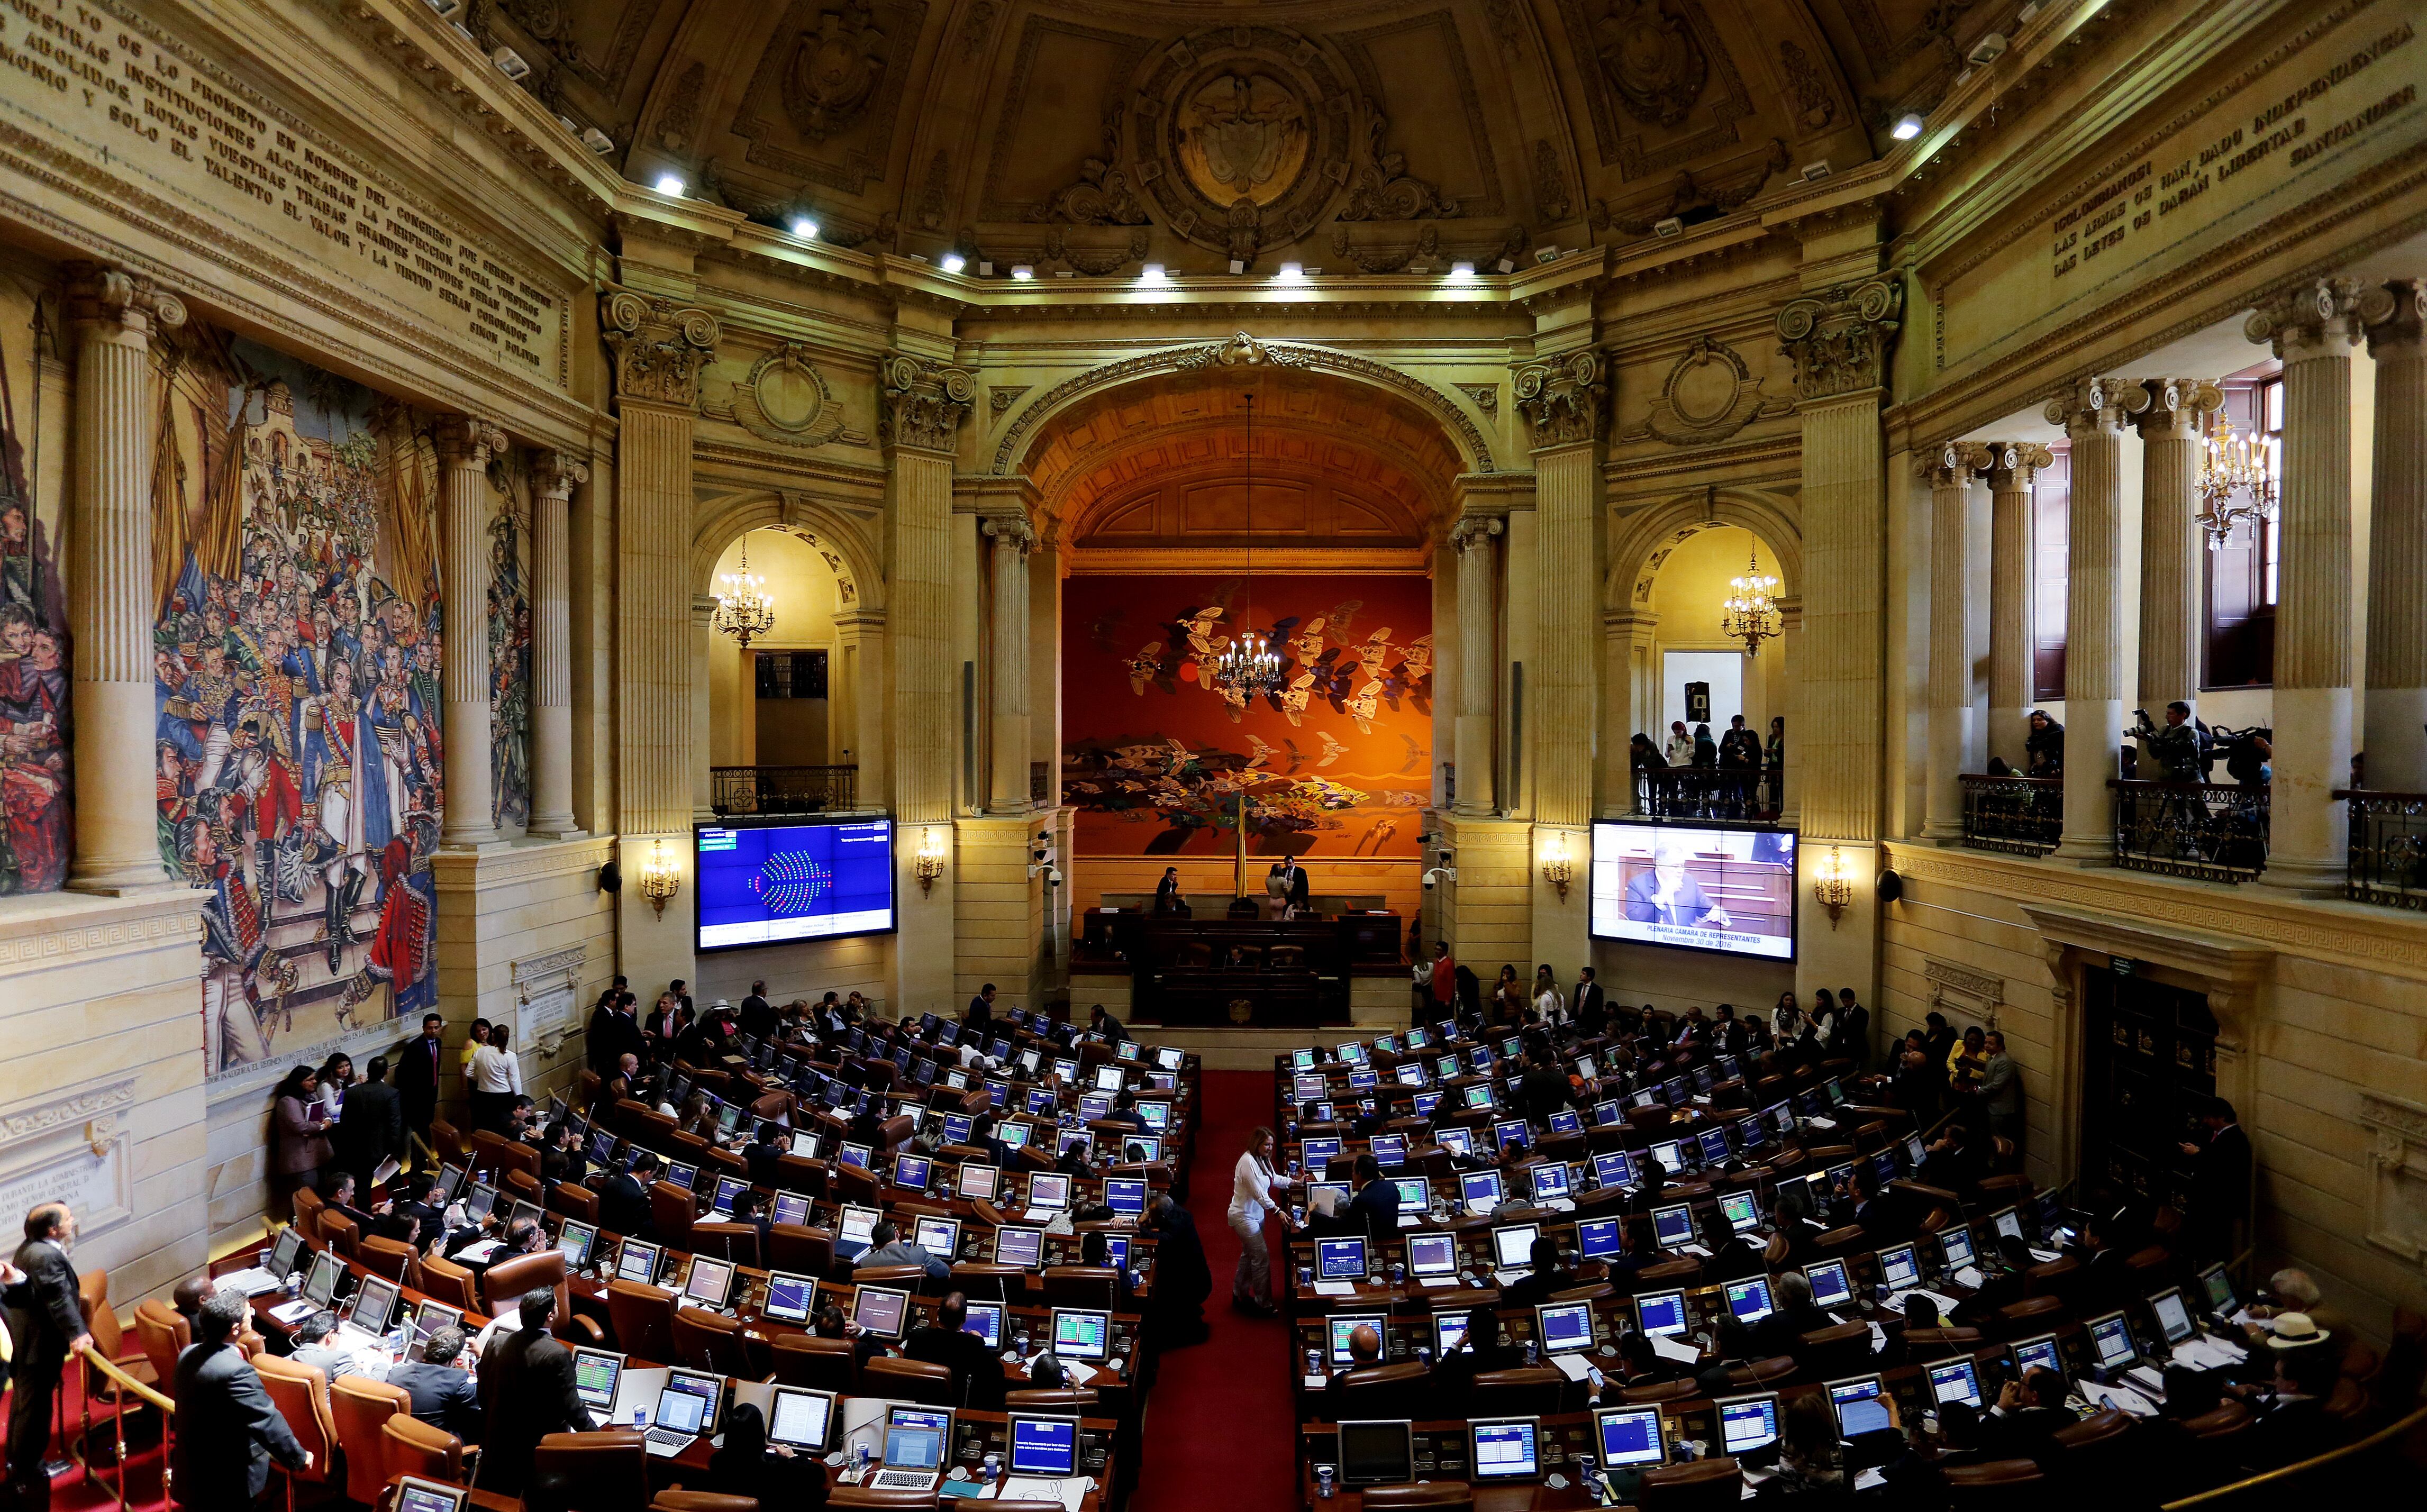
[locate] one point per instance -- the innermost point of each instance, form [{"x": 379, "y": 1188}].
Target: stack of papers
[
  {"x": 253, "y": 1280},
  {"x": 1070, "y": 1492},
  {"x": 295, "y": 1311},
  {"x": 1678, "y": 1350},
  {"x": 2121, "y": 1397},
  {"x": 2208, "y": 1354},
  {"x": 1946, "y": 1304}
]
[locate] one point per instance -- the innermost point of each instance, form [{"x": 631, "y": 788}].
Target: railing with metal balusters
[
  {"x": 124, "y": 1387},
  {"x": 1747, "y": 795},
  {"x": 2388, "y": 848},
  {"x": 743, "y": 790},
  {"x": 2023, "y": 815},
  {"x": 2216, "y": 831}
]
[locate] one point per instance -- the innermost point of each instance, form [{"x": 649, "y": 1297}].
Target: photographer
[{"x": 2176, "y": 748}]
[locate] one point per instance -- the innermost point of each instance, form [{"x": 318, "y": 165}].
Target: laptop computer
[
  {"x": 915, "y": 1441},
  {"x": 685, "y": 1410}
]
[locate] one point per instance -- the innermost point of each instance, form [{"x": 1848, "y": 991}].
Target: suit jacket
[
  {"x": 1294, "y": 886},
  {"x": 44, "y": 1315},
  {"x": 756, "y": 1017},
  {"x": 977, "y": 1379},
  {"x": 443, "y": 1397},
  {"x": 417, "y": 1077},
  {"x": 2022, "y": 1434},
  {"x": 1375, "y": 1209},
  {"x": 2289, "y": 1431},
  {"x": 228, "y": 1430},
  {"x": 623, "y": 1207},
  {"x": 2221, "y": 1177},
  {"x": 1181, "y": 1277},
  {"x": 527, "y": 1380},
  {"x": 370, "y": 1130},
  {"x": 1590, "y": 1007}
]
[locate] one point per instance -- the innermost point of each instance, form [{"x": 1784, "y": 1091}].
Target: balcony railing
[
  {"x": 2217, "y": 831},
  {"x": 739, "y": 790},
  {"x": 2022, "y": 815},
  {"x": 1741, "y": 795},
  {"x": 2389, "y": 849}
]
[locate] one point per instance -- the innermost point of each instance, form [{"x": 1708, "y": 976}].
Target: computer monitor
[
  {"x": 799, "y": 1418},
  {"x": 1389, "y": 1149},
  {"x": 1016, "y": 1134},
  {"x": 483, "y": 1201},
  {"x": 2174, "y": 1316},
  {"x": 1082, "y": 1333},
  {"x": 986, "y": 1321},
  {"x": 1432, "y": 1254},
  {"x": 1377, "y": 1453},
  {"x": 1828, "y": 1284},
  {"x": 1016, "y": 1245},
  {"x": 1675, "y": 1156},
  {"x": 1629, "y": 1435},
  {"x": 2111, "y": 1342},
  {"x": 575, "y": 1240},
  {"x": 1898, "y": 1269},
  {"x": 594, "y": 1374},
  {"x": 1550, "y": 1181},
  {"x": 1043, "y": 1446},
  {"x": 708, "y": 1281},
  {"x": 1302, "y": 1060},
  {"x": 1742, "y": 1212},
  {"x": 2215, "y": 1286},
  {"x": 1480, "y": 1190},
  {"x": 1662, "y": 1313},
  {"x": 858, "y": 1225},
  {"x": 321, "y": 1279},
  {"x": 1512, "y": 1245},
  {"x": 790, "y": 1299},
  {"x": 881, "y": 1310},
  {"x": 1505, "y": 1449},
  {"x": 1673, "y": 1225},
  {"x": 2035, "y": 1353},
  {"x": 1449, "y": 1331},
  {"x": 1955, "y": 1381},
  {"x": 2007, "y": 1222},
  {"x": 1713, "y": 1143},
  {"x": 1955, "y": 1243},
  {"x": 1339, "y": 1260},
  {"x": 1415, "y": 1194},
  {"x": 1125, "y": 1195},
  {"x": 285, "y": 1252},
  {"x": 1340, "y": 1327},
  {"x": 375, "y": 1302},
  {"x": 1749, "y": 1424},
  {"x": 1507, "y": 1132},
  {"x": 690, "y": 1401},
  {"x": 1048, "y": 1191},
  {"x": 1156, "y": 1113},
  {"x": 413, "y": 1494},
  {"x": 1860, "y": 1406},
  {"x": 851, "y": 1152},
  {"x": 1748, "y": 1300},
  {"x": 978, "y": 1181},
  {"x": 912, "y": 1172},
  {"x": 1613, "y": 1167},
  {"x": 1425, "y": 1104},
  {"x": 1564, "y": 1327},
  {"x": 431, "y": 1316},
  {"x": 939, "y": 1237},
  {"x": 1168, "y": 1057},
  {"x": 917, "y": 1437},
  {"x": 791, "y": 1208},
  {"x": 1600, "y": 1239},
  {"x": 1108, "y": 1078}
]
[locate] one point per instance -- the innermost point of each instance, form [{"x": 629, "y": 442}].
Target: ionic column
[
  {"x": 554, "y": 477},
  {"x": 2311, "y": 328},
  {"x": 2014, "y": 466},
  {"x": 465, "y": 444},
  {"x": 1477, "y": 657},
  {"x": 1951, "y": 475},
  {"x": 109, "y": 576},
  {"x": 2093, "y": 414},
  {"x": 2397, "y": 540},
  {"x": 1566, "y": 403},
  {"x": 1007, "y": 655},
  {"x": 2173, "y": 618}
]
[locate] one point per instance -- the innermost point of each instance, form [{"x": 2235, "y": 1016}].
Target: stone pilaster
[
  {"x": 859, "y": 636},
  {"x": 1012, "y": 538},
  {"x": 554, "y": 477},
  {"x": 2311, "y": 328},
  {"x": 2013, "y": 467},
  {"x": 1952, "y": 474},
  {"x": 2173, "y": 618},
  {"x": 1478, "y": 656},
  {"x": 466, "y": 445},
  {"x": 701, "y": 715},
  {"x": 2095, "y": 413},
  {"x": 1566, "y": 403},
  {"x": 2397, "y": 539},
  {"x": 113, "y": 315}
]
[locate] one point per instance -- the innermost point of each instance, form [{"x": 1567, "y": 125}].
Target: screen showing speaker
[{"x": 1728, "y": 890}]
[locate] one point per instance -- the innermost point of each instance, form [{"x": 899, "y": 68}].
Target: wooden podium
[{"x": 1208, "y": 969}]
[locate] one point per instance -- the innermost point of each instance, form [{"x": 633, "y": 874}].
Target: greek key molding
[{"x": 47, "y": 942}]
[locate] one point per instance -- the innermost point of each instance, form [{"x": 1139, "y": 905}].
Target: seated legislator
[
  {"x": 1666, "y": 894},
  {"x": 441, "y": 1392},
  {"x": 977, "y": 1376}
]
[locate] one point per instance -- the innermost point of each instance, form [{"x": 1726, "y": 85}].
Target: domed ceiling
[{"x": 1342, "y": 134}]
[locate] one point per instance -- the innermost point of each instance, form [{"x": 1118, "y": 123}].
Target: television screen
[
  {"x": 1704, "y": 889},
  {"x": 772, "y": 882}
]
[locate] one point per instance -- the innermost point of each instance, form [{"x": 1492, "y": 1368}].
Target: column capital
[
  {"x": 1473, "y": 531},
  {"x": 1838, "y": 339},
  {"x": 1956, "y": 465},
  {"x": 2176, "y": 407},
  {"x": 2309, "y": 319},
  {"x": 1009, "y": 533},
  {"x": 467, "y": 439},
  {"x": 1565, "y": 399},
  {"x": 2395, "y": 316},
  {"x": 2095, "y": 405},
  {"x": 556, "y": 474},
  {"x": 925, "y": 401},
  {"x": 99, "y": 294},
  {"x": 660, "y": 347},
  {"x": 2014, "y": 465}
]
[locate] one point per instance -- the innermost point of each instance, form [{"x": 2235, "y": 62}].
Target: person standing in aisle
[{"x": 1254, "y": 1184}]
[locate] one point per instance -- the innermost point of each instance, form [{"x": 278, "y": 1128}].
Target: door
[{"x": 2149, "y": 1069}]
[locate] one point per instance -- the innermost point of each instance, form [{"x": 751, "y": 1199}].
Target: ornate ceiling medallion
[
  {"x": 785, "y": 400},
  {"x": 1241, "y": 137},
  {"x": 1242, "y": 132},
  {"x": 834, "y": 70},
  {"x": 1653, "y": 60}
]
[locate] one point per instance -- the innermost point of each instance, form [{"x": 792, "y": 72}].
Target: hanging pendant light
[
  {"x": 1248, "y": 663},
  {"x": 743, "y": 610},
  {"x": 1750, "y": 613}
]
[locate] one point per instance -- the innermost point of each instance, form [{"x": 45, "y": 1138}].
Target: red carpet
[
  {"x": 1218, "y": 1431},
  {"x": 75, "y": 1493}
]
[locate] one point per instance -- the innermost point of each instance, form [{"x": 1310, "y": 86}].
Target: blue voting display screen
[{"x": 768, "y": 883}]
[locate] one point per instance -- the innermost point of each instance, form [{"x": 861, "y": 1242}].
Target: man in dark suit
[
  {"x": 527, "y": 1380},
  {"x": 1951, "y": 1162},
  {"x": 764, "y": 1152},
  {"x": 442, "y": 1395},
  {"x": 1167, "y": 896},
  {"x": 1782, "y": 1329},
  {"x": 600, "y": 1050},
  {"x": 1293, "y": 882},
  {"x": 2294, "y": 1426},
  {"x": 45, "y": 1329},
  {"x": 417, "y": 1081},
  {"x": 1374, "y": 1211},
  {"x": 2025, "y": 1413},
  {"x": 2219, "y": 1182},
  {"x": 624, "y": 1205},
  {"x": 372, "y": 1126},
  {"x": 1183, "y": 1280},
  {"x": 757, "y": 1018},
  {"x": 228, "y": 1430},
  {"x": 1591, "y": 1009},
  {"x": 977, "y": 1379},
  {"x": 981, "y": 1014}
]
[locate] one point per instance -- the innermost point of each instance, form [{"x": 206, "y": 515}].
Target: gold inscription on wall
[{"x": 115, "y": 90}]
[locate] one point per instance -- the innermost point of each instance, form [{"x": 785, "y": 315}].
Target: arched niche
[{"x": 819, "y": 614}]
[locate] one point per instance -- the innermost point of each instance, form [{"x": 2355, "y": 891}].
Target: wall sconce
[
  {"x": 1831, "y": 888},
  {"x": 930, "y": 864},
  {"x": 1556, "y": 869},
  {"x": 659, "y": 879}
]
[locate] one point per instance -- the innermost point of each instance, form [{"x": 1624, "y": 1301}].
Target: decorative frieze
[{"x": 2397, "y": 1188}]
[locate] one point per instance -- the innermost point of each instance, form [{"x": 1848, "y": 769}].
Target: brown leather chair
[
  {"x": 1713, "y": 1484},
  {"x": 1825, "y": 1354},
  {"x": 2000, "y": 1482},
  {"x": 1669, "y": 1275},
  {"x": 1659, "y": 1391},
  {"x": 411, "y": 1447},
  {"x": 488, "y": 1151},
  {"x": 735, "y": 1241},
  {"x": 449, "y": 1282},
  {"x": 300, "y": 1394},
  {"x": 1376, "y": 1392},
  {"x": 706, "y": 1502},
  {"x": 391, "y": 1258},
  {"x": 820, "y": 1364},
  {"x": 573, "y": 1200},
  {"x": 339, "y": 1232},
  {"x": 1758, "y": 1375},
  {"x": 1433, "y": 1496},
  {"x": 506, "y": 1281},
  {"x": 643, "y": 1318},
  {"x": 513, "y": 1155},
  {"x": 805, "y": 1174},
  {"x": 307, "y": 1211},
  {"x": 802, "y": 1250},
  {"x": 605, "y": 1472},
  {"x": 157, "y": 1335},
  {"x": 1082, "y": 1286},
  {"x": 899, "y": 1277},
  {"x": 446, "y": 1142},
  {"x": 706, "y": 1342},
  {"x": 359, "y": 1408},
  {"x": 522, "y": 1186},
  {"x": 2095, "y": 1451},
  {"x": 2063, "y": 1279},
  {"x": 852, "y": 1183},
  {"x": 1516, "y": 1393},
  {"x": 1838, "y": 1242},
  {"x": 869, "y": 1496},
  {"x": 1926, "y": 1344},
  {"x": 670, "y": 1214},
  {"x": 907, "y": 1380},
  {"x": 1064, "y": 1399},
  {"x": 2031, "y": 1315}
]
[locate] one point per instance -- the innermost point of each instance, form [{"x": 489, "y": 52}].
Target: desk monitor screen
[
  {"x": 594, "y": 1374},
  {"x": 1170, "y": 1056},
  {"x": 1608, "y": 1111},
  {"x": 1550, "y": 1181},
  {"x": 1750, "y": 1300},
  {"x": 1319, "y": 1152},
  {"x": 2032, "y": 1354},
  {"x": 1512, "y": 1245},
  {"x": 1779, "y": 1117},
  {"x": 1341, "y": 1192},
  {"x": 1566, "y": 1122},
  {"x": 1828, "y": 1284},
  {"x": 1456, "y": 1140},
  {"x": 1108, "y": 1078},
  {"x": 881, "y": 1309},
  {"x": 1955, "y": 1381},
  {"x": 1082, "y": 1334},
  {"x": 413, "y": 1494},
  {"x": 791, "y": 1208},
  {"x": 320, "y": 1281},
  {"x": 1747, "y": 1423},
  {"x": 1339, "y": 1260},
  {"x": 1630, "y": 1436},
  {"x": 1860, "y": 1406},
  {"x": 1340, "y": 1327},
  {"x": 431, "y": 1316},
  {"x": 851, "y": 1153},
  {"x": 1016, "y": 1134},
  {"x": 1662, "y": 1313},
  {"x": 1409, "y": 1074},
  {"x": 2174, "y": 1318},
  {"x": 1671, "y": 1156},
  {"x": 1015, "y": 1245},
  {"x": 1507, "y": 1132},
  {"x": 1446, "y": 1067},
  {"x": 1449, "y": 1331},
  {"x": 912, "y": 1171},
  {"x": 1065, "y": 1069},
  {"x": 1157, "y": 1116},
  {"x": 1898, "y": 1269},
  {"x": 1613, "y": 1167},
  {"x": 687, "y": 1405},
  {"x": 1093, "y": 1106},
  {"x": 483, "y": 1201},
  {"x": 375, "y": 1302},
  {"x": 1049, "y": 1190},
  {"x": 986, "y": 1321},
  {"x": 1350, "y": 1053},
  {"x": 1478, "y": 1095},
  {"x": 1126, "y": 1194},
  {"x": 1673, "y": 1225},
  {"x": 1715, "y": 1147},
  {"x": 1505, "y": 1449},
  {"x": 802, "y": 1417},
  {"x": 2008, "y": 1223},
  {"x": 789, "y": 1297},
  {"x": 284, "y": 1253},
  {"x": 2214, "y": 1284},
  {"x": 979, "y": 1181},
  {"x": 575, "y": 1240},
  {"x": 1432, "y": 1254},
  {"x": 1599, "y": 1238},
  {"x": 1040, "y": 1099},
  {"x": 1414, "y": 1194},
  {"x": 1377, "y": 1454},
  {"x": 2110, "y": 1341},
  {"x": 1425, "y": 1102},
  {"x": 1389, "y": 1149},
  {"x": 1564, "y": 1327},
  {"x": 708, "y": 1281},
  {"x": 1480, "y": 1189},
  {"x": 858, "y": 1225},
  {"x": 915, "y": 1437},
  {"x": 1742, "y": 1212},
  {"x": 1043, "y": 1446},
  {"x": 805, "y": 1143},
  {"x": 1955, "y": 1242},
  {"x": 956, "y": 1128},
  {"x": 939, "y": 1237},
  {"x": 1301, "y": 1060}
]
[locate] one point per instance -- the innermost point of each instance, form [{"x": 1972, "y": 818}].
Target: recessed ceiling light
[
  {"x": 670, "y": 183},
  {"x": 805, "y": 228},
  {"x": 1292, "y": 272},
  {"x": 1907, "y": 127},
  {"x": 954, "y": 262}
]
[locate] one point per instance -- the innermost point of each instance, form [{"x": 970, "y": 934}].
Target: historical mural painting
[
  {"x": 510, "y": 646},
  {"x": 1158, "y": 758},
  {"x": 34, "y": 766},
  {"x": 297, "y": 656}
]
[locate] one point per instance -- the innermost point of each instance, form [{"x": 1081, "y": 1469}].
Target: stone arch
[
  {"x": 718, "y": 527},
  {"x": 1641, "y": 543}
]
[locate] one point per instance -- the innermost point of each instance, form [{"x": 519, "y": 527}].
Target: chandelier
[
  {"x": 742, "y": 607},
  {"x": 1750, "y": 613},
  {"x": 2235, "y": 464},
  {"x": 1248, "y": 664}
]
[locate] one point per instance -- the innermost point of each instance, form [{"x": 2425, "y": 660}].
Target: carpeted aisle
[{"x": 1218, "y": 1431}]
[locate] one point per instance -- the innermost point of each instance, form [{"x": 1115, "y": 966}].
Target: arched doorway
[{"x": 801, "y": 696}]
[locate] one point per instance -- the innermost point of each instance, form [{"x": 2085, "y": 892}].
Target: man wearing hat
[
  {"x": 2219, "y": 1182},
  {"x": 2293, "y": 1424}
]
